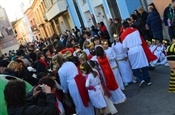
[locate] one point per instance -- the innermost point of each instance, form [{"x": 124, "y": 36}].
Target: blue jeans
[{"x": 142, "y": 74}]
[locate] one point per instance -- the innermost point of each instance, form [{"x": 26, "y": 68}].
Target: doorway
[{"x": 113, "y": 7}]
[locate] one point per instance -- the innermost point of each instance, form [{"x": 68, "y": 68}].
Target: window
[{"x": 48, "y": 4}]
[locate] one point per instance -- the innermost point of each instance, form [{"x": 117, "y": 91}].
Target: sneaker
[
  {"x": 149, "y": 83},
  {"x": 141, "y": 83},
  {"x": 126, "y": 84},
  {"x": 122, "y": 89},
  {"x": 167, "y": 64}
]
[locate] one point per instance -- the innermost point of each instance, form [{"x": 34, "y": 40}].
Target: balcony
[
  {"x": 57, "y": 8},
  {"x": 34, "y": 28}
]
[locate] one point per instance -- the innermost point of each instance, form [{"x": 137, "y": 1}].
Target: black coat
[
  {"x": 4, "y": 63},
  {"x": 154, "y": 21},
  {"x": 27, "y": 76},
  {"x": 143, "y": 17},
  {"x": 41, "y": 69},
  {"x": 32, "y": 55},
  {"x": 32, "y": 109},
  {"x": 81, "y": 42},
  {"x": 168, "y": 14},
  {"x": 8, "y": 71}
]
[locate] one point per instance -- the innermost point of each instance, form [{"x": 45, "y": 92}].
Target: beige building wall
[
  {"x": 31, "y": 17},
  {"x": 39, "y": 9},
  {"x": 20, "y": 31},
  {"x": 161, "y": 5},
  {"x": 58, "y": 16},
  {"x": 70, "y": 21}
]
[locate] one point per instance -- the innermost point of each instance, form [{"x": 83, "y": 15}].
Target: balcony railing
[{"x": 57, "y": 8}]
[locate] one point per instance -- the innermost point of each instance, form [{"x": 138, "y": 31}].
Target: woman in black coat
[
  {"x": 41, "y": 65},
  {"x": 12, "y": 69},
  {"x": 154, "y": 23},
  {"x": 24, "y": 74}
]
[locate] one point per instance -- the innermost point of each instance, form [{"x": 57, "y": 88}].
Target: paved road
[{"x": 150, "y": 100}]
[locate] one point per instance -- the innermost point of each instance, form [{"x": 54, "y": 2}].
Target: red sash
[
  {"x": 150, "y": 56},
  {"x": 58, "y": 97},
  {"x": 80, "y": 81},
  {"x": 43, "y": 62},
  {"x": 108, "y": 73}
]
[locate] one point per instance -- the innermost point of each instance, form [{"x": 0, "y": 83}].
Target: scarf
[
  {"x": 108, "y": 73},
  {"x": 80, "y": 81},
  {"x": 43, "y": 62}
]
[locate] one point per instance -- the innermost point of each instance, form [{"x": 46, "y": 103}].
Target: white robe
[
  {"x": 95, "y": 95},
  {"x": 159, "y": 51},
  {"x": 123, "y": 65},
  {"x": 110, "y": 106},
  {"x": 67, "y": 73},
  {"x": 152, "y": 47},
  {"x": 117, "y": 96},
  {"x": 112, "y": 61},
  {"x": 136, "y": 53}
]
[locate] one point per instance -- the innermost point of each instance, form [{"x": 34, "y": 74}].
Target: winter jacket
[
  {"x": 27, "y": 76},
  {"x": 104, "y": 33},
  {"x": 81, "y": 42},
  {"x": 112, "y": 29},
  {"x": 32, "y": 55},
  {"x": 40, "y": 69},
  {"x": 154, "y": 21},
  {"x": 95, "y": 32},
  {"x": 168, "y": 14},
  {"x": 11, "y": 72},
  {"x": 118, "y": 27},
  {"x": 32, "y": 109},
  {"x": 143, "y": 17}
]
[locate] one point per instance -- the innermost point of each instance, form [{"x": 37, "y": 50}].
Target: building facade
[
  {"x": 22, "y": 32},
  {"x": 49, "y": 17},
  {"x": 41, "y": 22},
  {"x": 32, "y": 23},
  {"x": 7, "y": 37},
  {"x": 94, "y": 11},
  {"x": 57, "y": 14}
]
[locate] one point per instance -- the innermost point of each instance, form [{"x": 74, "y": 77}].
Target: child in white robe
[
  {"x": 96, "y": 41},
  {"x": 110, "y": 106},
  {"x": 93, "y": 86},
  {"x": 117, "y": 96},
  {"x": 153, "y": 45},
  {"x": 122, "y": 60},
  {"x": 112, "y": 61},
  {"x": 159, "y": 51}
]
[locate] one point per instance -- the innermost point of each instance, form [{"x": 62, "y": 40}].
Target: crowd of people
[{"x": 80, "y": 70}]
